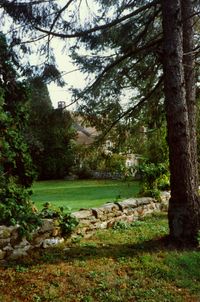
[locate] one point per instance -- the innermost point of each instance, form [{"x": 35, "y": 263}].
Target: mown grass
[
  {"x": 130, "y": 263},
  {"x": 82, "y": 193}
]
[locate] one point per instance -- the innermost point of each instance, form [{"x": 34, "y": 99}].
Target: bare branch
[{"x": 34, "y": 40}]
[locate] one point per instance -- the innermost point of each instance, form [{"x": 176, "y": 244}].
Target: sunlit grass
[{"x": 82, "y": 193}]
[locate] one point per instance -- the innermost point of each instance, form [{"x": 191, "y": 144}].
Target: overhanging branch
[
  {"x": 147, "y": 47},
  {"x": 130, "y": 111},
  {"x": 100, "y": 27}
]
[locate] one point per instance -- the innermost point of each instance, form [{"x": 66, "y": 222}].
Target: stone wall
[
  {"x": 128, "y": 211},
  {"x": 90, "y": 220},
  {"x": 12, "y": 246}
]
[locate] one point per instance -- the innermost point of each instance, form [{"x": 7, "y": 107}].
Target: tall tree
[
  {"x": 188, "y": 23},
  {"x": 40, "y": 108},
  {"x": 49, "y": 134},
  {"x": 184, "y": 206},
  {"x": 58, "y": 155}
]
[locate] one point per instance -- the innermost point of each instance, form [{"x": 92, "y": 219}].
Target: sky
[
  {"x": 71, "y": 77},
  {"x": 76, "y": 78}
]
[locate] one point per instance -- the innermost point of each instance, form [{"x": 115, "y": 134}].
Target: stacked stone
[
  {"x": 90, "y": 220},
  {"x": 128, "y": 211},
  {"x": 12, "y": 246}
]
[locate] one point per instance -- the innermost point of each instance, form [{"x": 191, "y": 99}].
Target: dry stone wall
[
  {"x": 128, "y": 211},
  {"x": 90, "y": 220}
]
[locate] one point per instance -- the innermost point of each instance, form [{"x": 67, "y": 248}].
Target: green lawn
[{"x": 82, "y": 193}]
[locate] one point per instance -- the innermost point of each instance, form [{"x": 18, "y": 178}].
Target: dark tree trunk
[
  {"x": 184, "y": 208},
  {"x": 189, "y": 74}
]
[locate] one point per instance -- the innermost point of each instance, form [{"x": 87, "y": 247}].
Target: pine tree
[{"x": 184, "y": 206}]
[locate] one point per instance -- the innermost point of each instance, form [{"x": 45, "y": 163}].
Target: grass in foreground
[
  {"x": 127, "y": 264},
  {"x": 82, "y": 193}
]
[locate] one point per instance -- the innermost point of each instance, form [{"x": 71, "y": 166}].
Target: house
[{"x": 87, "y": 134}]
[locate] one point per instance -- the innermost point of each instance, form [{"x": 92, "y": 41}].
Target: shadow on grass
[{"x": 88, "y": 251}]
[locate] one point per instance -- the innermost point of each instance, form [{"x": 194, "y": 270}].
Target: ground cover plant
[
  {"x": 127, "y": 263},
  {"x": 82, "y": 193}
]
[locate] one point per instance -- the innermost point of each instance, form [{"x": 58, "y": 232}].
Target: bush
[
  {"x": 66, "y": 221},
  {"x": 155, "y": 177},
  {"x": 84, "y": 172},
  {"x": 16, "y": 207}
]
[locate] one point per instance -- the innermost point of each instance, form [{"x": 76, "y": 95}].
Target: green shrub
[
  {"x": 84, "y": 172},
  {"x": 16, "y": 207},
  {"x": 114, "y": 163},
  {"x": 66, "y": 221},
  {"x": 154, "y": 177}
]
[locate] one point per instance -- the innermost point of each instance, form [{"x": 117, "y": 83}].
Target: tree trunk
[
  {"x": 184, "y": 207},
  {"x": 189, "y": 75}
]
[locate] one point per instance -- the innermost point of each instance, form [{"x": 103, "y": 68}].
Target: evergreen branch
[
  {"x": 100, "y": 27},
  {"x": 132, "y": 52},
  {"x": 109, "y": 67},
  {"x": 6, "y": 2},
  {"x": 56, "y": 19},
  {"x": 130, "y": 111},
  {"x": 58, "y": 15},
  {"x": 124, "y": 57}
]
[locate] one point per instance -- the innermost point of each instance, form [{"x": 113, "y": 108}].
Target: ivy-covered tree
[
  {"x": 57, "y": 157},
  {"x": 16, "y": 170},
  {"x": 49, "y": 134},
  {"x": 40, "y": 107}
]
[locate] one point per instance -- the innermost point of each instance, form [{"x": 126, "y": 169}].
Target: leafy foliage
[
  {"x": 15, "y": 162},
  {"x": 155, "y": 177},
  {"x": 16, "y": 208},
  {"x": 66, "y": 221}
]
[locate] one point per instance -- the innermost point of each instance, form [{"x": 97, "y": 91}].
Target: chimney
[{"x": 61, "y": 104}]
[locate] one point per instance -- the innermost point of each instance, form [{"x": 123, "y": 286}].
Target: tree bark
[
  {"x": 189, "y": 75},
  {"x": 183, "y": 213}
]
